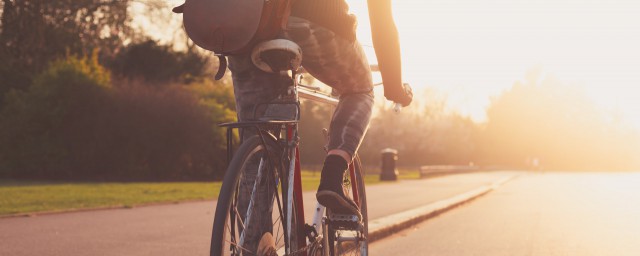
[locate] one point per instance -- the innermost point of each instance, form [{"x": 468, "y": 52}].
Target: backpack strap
[
  {"x": 178, "y": 9},
  {"x": 222, "y": 66}
]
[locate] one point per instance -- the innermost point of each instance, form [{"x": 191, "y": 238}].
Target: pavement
[
  {"x": 534, "y": 215},
  {"x": 185, "y": 228}
]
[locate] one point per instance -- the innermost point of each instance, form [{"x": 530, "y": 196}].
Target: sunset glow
[{"x": 472, "y": 50}]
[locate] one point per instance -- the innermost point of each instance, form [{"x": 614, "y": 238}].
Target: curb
[{"x": 389, "y": 225}]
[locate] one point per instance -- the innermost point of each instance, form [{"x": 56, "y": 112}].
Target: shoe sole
[{"x": 337, "y": 204}]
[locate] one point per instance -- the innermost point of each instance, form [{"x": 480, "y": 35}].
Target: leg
[
  {"x": 349, "y": 124},
  {"x": 342, "y": 65}
]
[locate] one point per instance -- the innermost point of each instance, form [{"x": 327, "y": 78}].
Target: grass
[
  {"x": 17, "y": 197},
  {"x": 406, "y": 174}
]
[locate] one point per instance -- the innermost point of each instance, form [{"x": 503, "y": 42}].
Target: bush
[
  {"x": 159, "y": 134},
  {"x": 72, "y": 124},
  {"x": 40, "y": 127}
]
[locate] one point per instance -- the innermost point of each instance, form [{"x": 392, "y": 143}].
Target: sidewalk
[{"x": 184, "y": 229}]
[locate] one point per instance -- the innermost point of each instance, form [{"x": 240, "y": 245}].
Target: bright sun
[{"x": 474, "y": 49}]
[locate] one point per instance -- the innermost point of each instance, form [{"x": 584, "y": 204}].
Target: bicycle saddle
[{"x": 277, "y": 55}]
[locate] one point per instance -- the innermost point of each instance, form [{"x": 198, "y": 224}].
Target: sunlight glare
[{"x": 473, "y": 50}]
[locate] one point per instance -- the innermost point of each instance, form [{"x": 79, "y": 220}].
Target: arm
[{"x": 387, "y": 48}]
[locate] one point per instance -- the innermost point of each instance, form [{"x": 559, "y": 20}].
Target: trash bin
[{"x": 389, "y": 158}]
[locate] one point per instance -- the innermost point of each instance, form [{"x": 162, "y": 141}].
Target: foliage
[
  {"x": 35, "y": 125},
  {"x": 314, "y": 118},
  {"x": 216, "y": 98},
  {"x": 36, "y": 32},
  {"x": 423, "y": 134},
  {"x": 72, "y": 124},
  {"x": 556, "y": 123},
  {"x": 158, "y": 64}
]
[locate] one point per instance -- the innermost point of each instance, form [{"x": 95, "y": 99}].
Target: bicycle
[{"x": 264, "y": 174}]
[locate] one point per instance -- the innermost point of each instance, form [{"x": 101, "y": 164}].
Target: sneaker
[
  {"x": 267, "y": 246},
  {"x": 331, "y": 191}
]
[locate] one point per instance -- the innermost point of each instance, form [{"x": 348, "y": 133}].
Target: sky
[{"x": 474, "y": 49}]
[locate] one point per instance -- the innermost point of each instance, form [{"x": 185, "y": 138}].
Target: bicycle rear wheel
[
  {"x": 351, "y": 239},
  {"x": 251, "y": 201}
]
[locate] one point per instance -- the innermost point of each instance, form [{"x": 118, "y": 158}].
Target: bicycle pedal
[
  {"x": 343, "y": 217},
  {"x": 344, "y": 222}
]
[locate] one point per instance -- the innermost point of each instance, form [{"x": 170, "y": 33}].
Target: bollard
[{"x": 389, "y": 158}]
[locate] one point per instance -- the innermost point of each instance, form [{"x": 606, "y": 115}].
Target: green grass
[
  {"x": 26, "y": 197},
  {"x": 18, "y": 197},
  {"x": 408, "y": 174}
]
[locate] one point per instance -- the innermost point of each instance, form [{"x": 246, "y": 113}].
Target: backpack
[{"x": 232, "y": 27}]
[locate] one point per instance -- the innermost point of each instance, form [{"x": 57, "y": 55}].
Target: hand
[{"x": 402, "y": 94}]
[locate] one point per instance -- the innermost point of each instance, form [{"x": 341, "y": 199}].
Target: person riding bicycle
[{"x": 326, "y": 33}]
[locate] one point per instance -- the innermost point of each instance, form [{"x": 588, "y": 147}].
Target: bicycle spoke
[
  {"x": 239, "y": 219},
  {"x": 349, "y": 247},
  {"x": 277, "y": 198},
  {"x": 232, "y": 244},
  {"x": 278, "y": 234},
  {"x": 238, "y": 246}
]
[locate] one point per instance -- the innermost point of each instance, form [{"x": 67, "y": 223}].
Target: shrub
[
  {"x": 40, "y": 127},
  {"x": 72, "y": 124},
  {"x": 158, "y": 134}
]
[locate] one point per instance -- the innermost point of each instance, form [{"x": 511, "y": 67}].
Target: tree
[
  {"x": 314, "y": 117},
  {"x": 157, "y": 64},
  {"x": 556, "y": 123},
  {"x": 36, "y": 32},
  {"x": 423, "y": 134}
]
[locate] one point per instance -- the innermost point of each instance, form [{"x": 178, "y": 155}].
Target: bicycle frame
[
  {"x": 312, "y": 94},
  {"x": 294, "y": 178},
  {"x": 295, "y": 170}
]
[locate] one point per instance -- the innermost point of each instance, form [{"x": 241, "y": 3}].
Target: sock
[{"x": 333, "y": 170}]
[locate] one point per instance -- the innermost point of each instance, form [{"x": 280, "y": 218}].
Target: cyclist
[
  {"x": 325, "y": 31},
  {"x": 331, "y": 53}
]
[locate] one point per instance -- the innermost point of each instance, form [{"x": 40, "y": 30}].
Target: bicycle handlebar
[
  {"x": 397, "y": 106},
  {"x": 307, "y": 91}
]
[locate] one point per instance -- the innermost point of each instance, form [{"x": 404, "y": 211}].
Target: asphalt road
[
  {"x": 184, "y": 229},
  {"x": 543, "y": 214}
]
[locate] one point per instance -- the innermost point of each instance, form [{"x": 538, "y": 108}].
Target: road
[
  {"x": 184, "y": 229},
  {"x": 542, "y": 214}
]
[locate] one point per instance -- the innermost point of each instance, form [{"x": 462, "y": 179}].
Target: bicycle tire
[
  {"x": 224, "y": 239},
  {"x": 361, "y": 248}
]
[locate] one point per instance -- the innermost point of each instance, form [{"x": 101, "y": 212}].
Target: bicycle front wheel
[{"x": 251, "y": 201}]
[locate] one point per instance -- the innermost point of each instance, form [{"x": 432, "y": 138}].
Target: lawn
[
  {"x": 17, "y": 197},
  {"x": 28, "y": 197}
]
